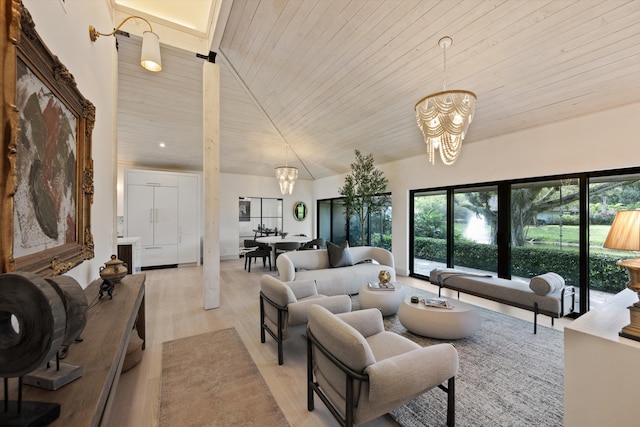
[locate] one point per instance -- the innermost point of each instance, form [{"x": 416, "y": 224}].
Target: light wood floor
[{"x": 174, "y": 310}]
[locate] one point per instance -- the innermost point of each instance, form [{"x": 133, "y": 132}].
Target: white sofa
[{"x": 314, "y": 264}]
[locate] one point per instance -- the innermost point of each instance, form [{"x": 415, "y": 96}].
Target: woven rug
[
  {"x": 508, "y": 376},
  {"x": 211, "y": 380}
]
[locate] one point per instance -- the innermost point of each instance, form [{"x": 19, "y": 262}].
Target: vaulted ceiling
[{"x": 330, "y": 76}]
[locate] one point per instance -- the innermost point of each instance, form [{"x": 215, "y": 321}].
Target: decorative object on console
[
  {"x": 32, "y": 328},
  {"x": 150, "y": 55},
  {"x": 112, "y": 272},
  {"x": 444, "y": 117},
  {"x": 286, "y": 174},
  {"x": 624, "y": 235},
  {"x": 75, "y": 303}
]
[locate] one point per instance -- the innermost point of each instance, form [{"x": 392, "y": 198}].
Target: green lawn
[
  {"x": 570, "y": 233},
  {"x": 552, "y": 234}
]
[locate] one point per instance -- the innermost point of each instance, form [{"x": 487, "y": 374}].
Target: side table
[{"x": 384, "y": 300}]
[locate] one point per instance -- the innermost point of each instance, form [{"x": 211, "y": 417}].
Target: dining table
[{"x": 272, "y": 240}]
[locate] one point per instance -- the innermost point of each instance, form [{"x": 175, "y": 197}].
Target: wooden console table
[{"x": 87, "y": 400}]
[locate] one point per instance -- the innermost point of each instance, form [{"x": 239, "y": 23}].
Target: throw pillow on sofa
[{"x": 339, "y": 255}]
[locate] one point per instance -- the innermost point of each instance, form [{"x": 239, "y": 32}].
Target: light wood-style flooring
[{"x": 174, "y": 310}]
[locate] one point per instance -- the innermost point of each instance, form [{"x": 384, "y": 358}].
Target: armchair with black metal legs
[
  {"x": 361, "y": 372},
  {"x": 284, "y": 308}
]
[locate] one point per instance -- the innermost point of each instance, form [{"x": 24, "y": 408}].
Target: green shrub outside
[
  {"x": 381, "y": 241},
  {"x": 604, "y": 274}
]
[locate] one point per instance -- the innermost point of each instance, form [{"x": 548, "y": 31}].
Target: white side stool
[{"x": 385, "y": 301}]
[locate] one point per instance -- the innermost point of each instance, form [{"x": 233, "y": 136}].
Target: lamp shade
[
  {"x": 624, "y": 233},
  {"x": 150, "y": 56}
]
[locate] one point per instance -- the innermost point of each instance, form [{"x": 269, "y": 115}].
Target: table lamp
[{"x": 625, "y": 235}]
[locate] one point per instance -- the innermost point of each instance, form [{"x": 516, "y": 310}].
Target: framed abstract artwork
[{"x": 47, "y": 177}]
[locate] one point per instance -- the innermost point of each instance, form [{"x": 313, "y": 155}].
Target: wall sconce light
[{"x": 150, "y": 56}]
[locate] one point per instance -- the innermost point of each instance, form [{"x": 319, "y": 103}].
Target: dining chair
[
  {"x": 314, "y": 244},
  {"x": 282, "y": 247},
  {"x": 262, "y": 250}
]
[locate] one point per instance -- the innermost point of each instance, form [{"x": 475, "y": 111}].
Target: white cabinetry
[{"x": 162, "y": 210}]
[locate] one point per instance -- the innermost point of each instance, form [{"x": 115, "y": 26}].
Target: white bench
[{"x": 555, "y": 304}]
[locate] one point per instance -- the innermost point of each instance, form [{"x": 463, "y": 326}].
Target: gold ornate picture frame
[{"x": 46, "y": 171}]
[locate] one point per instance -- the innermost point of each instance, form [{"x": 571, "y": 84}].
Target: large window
[
  {"x": 429, "y": 231},
  {"x": 545, "y": 225},
  {"x": 475, "y": 213},
  {"x": 522, "y": 228},
  {"x": 334, "y": 227},
  {"x": 607, "y": 195}
]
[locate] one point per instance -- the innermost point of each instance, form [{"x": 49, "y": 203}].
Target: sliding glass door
[{"x": 522, "y": 228}]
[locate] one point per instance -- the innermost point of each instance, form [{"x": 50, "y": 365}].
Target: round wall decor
[{"x": 300, "y": 211}]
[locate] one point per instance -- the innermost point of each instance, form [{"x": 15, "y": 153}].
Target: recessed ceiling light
[{"x": 162, "y": 145}]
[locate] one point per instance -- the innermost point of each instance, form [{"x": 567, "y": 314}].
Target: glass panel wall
[
  {"x": 545, "y": 229},
  {"x": 521, "y": 228},
  {"x": 429, "y": 231},
  {"x": 324, "y": 219},
  {"x": 607, "y": 195},
  {"x": 338, "y": 222},
  {"x": 379, "y": 228},
  {"x": 333, "y": 225},
  {"x": 475, "y": 216}
]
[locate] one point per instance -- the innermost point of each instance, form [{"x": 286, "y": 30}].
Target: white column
[{"x": 211, "y": 187}]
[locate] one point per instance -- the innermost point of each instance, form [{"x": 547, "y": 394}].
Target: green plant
[{"x": 363, "y": 191}]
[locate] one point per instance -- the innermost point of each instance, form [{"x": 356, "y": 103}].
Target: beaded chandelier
[
  {"x": 444, "y": 117},
  {"x": 286, "y": 175}
]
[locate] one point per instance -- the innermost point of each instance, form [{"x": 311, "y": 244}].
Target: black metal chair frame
[
  {"x": 351, "y": 377},
  {"x": 277, "y": 336}
]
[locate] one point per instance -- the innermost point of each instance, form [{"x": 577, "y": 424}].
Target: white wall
[
  {"x": 233, "y": 186},
  {"x": 602, "y": 141},
  {"x": 65, "y": 32}
]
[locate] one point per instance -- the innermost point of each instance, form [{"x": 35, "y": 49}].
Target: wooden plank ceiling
[{"x": 330, "y": 76}]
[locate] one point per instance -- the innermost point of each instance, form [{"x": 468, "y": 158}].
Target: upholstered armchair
[
  {"x": 284, "y": 308},
  {"x": 361, "y": 372}
]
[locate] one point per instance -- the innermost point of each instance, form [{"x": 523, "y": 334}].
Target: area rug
[
  {"x": 508, "y": 376},
  {"x": 211, "y": 380}
]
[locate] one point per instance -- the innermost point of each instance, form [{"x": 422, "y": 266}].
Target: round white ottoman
[
  {"x": 459, "y": 322},
  {"x": 385, "y": 301}
]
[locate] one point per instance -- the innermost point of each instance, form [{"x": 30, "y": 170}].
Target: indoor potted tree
[{"x": 364, "y": 191}]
